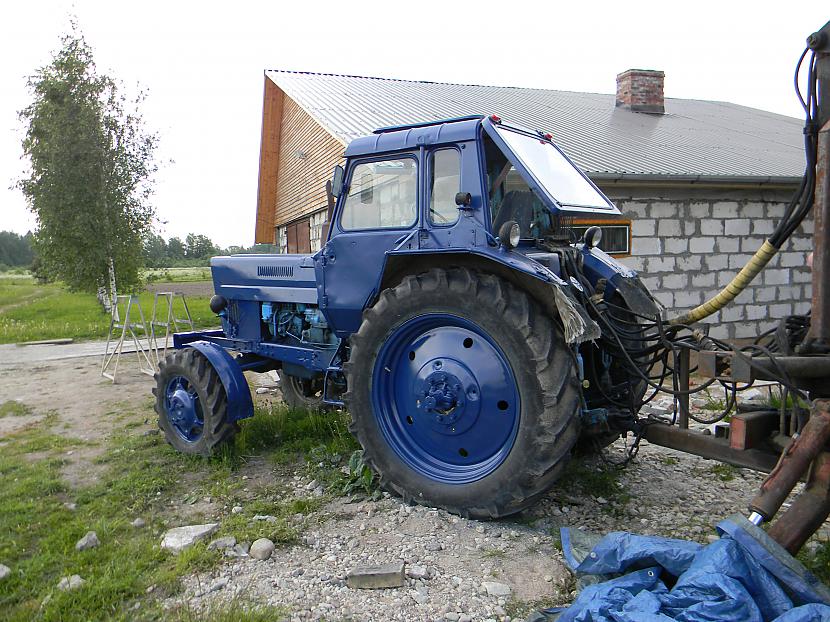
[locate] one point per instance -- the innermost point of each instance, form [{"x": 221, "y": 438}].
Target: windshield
[{"x": 532, "y": 182}]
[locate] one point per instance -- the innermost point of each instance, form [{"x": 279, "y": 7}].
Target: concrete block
[
  {"x": 633, "y": 209},
  {"x": 789, "y": 292},
  {"x": 808, "y": 291},
  {"x": 751, "y": 244},
  {"x": 753, "y": 209},
  {"x": 693, "y": 262},
  {"x": 711, "y": 227},
  {"x": 660, "y": 264},
  {"x": 782, "y": 309},
  {"x": 661, "y": 209},
  {"x": 793, "y": 260},
  {"x": 725, "y": 209},
  {"x": 704, "y": 279},
  {"x": 736, "y": 262},
  {"x": 719, "y": 331},
  {"x": 801, "y": 307},
  {"x": 643, "y": 227},
  {"x": 376, "y": 577},
  {"x": 732, "y": 313},
  {"x": 762, "y": 227},
  {"x": 651, "y": 282},
  {"x": 738, "y": 226},
  {"x": 688, "y": 298},
  {"x": 716, "y": 262},
  {"x": 745, "y": 330},
  {"x": 668, "y": 228},
  {"x": 765, "y": 294},
  {"x": 665, "y": 298},
  {"x": 776, "y": 276},
  {"x": 724, "y": 277},
  {"x": 728, "y": 245},
  {"x": 675, "y": 281},
  {"x": 756, "y": 312},
  {"x": 635, "y": 263},
  {"x": 700, "y": 210},
  {"x": 702, "y": 245},
  {"x": 801, "y": 244},
  {"x": 802, "y": 275},
  {"x": 675, "y": 246},
  {"x": 690, "y": 228},
  {"x": 646, "y": 246}
]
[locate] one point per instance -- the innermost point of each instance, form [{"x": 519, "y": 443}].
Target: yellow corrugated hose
[{"x": 733, "y": 288}]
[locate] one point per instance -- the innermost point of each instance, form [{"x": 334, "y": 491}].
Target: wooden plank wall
[
  {"x": 269, "y": 155},
  {"x": 308, "y": 153}
]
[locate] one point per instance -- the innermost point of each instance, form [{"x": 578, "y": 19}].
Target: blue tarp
[{"x": 743, "y": 577}]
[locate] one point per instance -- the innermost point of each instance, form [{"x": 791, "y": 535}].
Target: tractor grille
[{"x": 275, "y": 271}]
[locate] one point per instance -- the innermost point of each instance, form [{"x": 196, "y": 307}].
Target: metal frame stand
[
  {"x": 127, "y": 330},
  {"x": 171, "y": 320}
]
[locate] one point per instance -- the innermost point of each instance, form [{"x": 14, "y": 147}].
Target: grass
[
  {"x": 596, "y": 480},
  {"x": 724, "y": 472},
  {"x": 177, "y": 275},
  {"x": 14, "y": 408},
  {"x": 30, "y": 311},
  {"x": 818, "y": 561},
  {"x": 141, "y": 476}
]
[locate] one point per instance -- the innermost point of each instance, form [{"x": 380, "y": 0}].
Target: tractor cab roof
[{"x": 406, "y": 137}]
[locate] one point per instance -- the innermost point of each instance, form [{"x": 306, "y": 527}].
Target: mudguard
[
  {"x": 240, "y": 405},
  {"x": 620, "y": 279}
]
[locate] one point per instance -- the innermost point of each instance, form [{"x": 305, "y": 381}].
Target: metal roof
[{"x": 694, "y": 139}]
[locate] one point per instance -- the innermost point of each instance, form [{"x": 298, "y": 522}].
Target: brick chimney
[{"x": 641, "y": 90}]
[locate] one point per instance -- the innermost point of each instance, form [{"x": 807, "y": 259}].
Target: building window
[
  {"x": 445, "y": 183},
  {"x": 316, "y": 230},
  {"x": 382, "y": 195},
  {"x": 616, "y": 235},
  {"x": 282, "y": 240}
]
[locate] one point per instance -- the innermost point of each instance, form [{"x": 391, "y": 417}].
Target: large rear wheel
[{"x": 463, "y": 393}]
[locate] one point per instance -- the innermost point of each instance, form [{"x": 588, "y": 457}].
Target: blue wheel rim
[
  {"x": 184, "y": 409},
  {"x": 445, "y": 398}
]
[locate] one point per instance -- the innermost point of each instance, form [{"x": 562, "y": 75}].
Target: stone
[
  {"x": 138, "y": 523},
  {"x": 417, "y": 572},
  {"x": 70, "y": 583},
  {"x": 418, "y": 597},
  {"x": 237, "y": 509},
  {"x": 70, "y": 506},
  {"x": 494, "y": 588},
  {"x": 217, "y": 585},
  {"x": 602, "y": 500},
  {"x": 262, "y": 390},
  {"x": 180, "y": 538},
  {"x": 228, "y": 542},
  {"x": 376, "y": 577},
  {"x": 89, "y": 541},
  {"x": 239, "y": 550},
  {"x": 5, "y": 571},
  {"x": 266, "y": 517},
  {"x": 261, "y": 549}
]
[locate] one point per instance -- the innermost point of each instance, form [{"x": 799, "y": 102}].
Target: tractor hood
[{"x": 552, "y": 176}]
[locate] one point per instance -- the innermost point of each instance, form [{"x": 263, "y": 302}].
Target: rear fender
[
  {"x": 240, "y": 405},
  {"x": 619, "y": 279}
]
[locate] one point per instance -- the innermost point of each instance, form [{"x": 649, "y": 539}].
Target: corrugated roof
[{"x": 695, "y": 138}]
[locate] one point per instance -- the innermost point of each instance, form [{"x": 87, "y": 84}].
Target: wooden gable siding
[
  {"x": 308, "y": 153},
  {"x": 269, "y": 154}
]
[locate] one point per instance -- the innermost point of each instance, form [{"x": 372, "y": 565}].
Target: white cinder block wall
[{"x": 688, "y": 244}]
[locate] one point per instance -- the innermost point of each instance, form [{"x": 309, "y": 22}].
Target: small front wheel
[
  {"x": 302, "y": 393},
  {"x": 191, "y": 403}
]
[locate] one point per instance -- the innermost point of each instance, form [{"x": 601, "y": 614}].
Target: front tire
[
  {"x": 191, "y": 403},
  {"x": 302, "y": 393},
  {"x": 463, "y": 393}
]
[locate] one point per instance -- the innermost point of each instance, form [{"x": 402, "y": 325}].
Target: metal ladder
[
  {"x": 171, "y": 321},
  {"x": 123, "y": 330}
]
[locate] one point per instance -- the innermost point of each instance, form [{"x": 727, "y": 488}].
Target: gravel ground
[{"x": 460, "y": 569}]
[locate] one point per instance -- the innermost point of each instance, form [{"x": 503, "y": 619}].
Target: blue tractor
[{"x": 452, "y": 311}]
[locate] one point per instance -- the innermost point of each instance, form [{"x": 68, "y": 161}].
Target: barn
[{"x": 700, "y": 183}]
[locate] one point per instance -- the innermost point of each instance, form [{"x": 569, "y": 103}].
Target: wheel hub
[
  {"x": 183, "y": 409},
  {"x": 446, "y": 394}
]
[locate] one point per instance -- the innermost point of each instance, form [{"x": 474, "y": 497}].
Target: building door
[{"x": 297, "y": 237}]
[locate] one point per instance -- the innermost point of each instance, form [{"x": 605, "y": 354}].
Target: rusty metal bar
[
  {"x": 708, "y": 446},
  {"x": 818, "y": 338},
  {"x": 809, "y": 510},
  {"x": 794, "y": 462}
]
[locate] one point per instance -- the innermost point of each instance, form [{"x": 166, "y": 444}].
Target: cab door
[{"x": 376, "y": 213}]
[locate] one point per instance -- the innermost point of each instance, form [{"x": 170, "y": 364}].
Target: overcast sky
[{"x": 203, "y": 62}]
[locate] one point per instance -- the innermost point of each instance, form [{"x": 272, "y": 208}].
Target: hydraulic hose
[{"x": 732, "y": 289}]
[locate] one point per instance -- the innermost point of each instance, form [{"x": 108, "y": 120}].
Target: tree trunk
[{"x": 112, "y": 291}]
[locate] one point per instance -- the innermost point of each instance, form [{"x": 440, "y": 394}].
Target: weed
[
  {"x": 669, "y": 460},
  {"x": 361, "y": 479},
  {"x": 599, "y": 481},
  {"x": 818, "y": 560},
  {"x": 14, "y": 408},
  {"x": 493, "y": 553},
  {"x": 724, "y": 472}
]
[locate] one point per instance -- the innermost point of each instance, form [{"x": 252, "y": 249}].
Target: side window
[
  {"x": 382, "y": 195},
  {"x": 444, "y": 184}
]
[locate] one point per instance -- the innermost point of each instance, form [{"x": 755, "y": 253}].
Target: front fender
[
  {"x": 240, "y": 405},
  {"x": 619, "y": 279}
]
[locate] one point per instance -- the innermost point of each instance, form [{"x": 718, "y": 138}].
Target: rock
[
  {"x": 602, "y": 500},
  {"x": 71, "y": 506},
  {"x": 451, "y": 616},
  {"x": 70, "y": 583},
  {"x": 237, "y": 509},
  {"x": 417, "y": 572},
  {"x": 376, "y": 577},
  {"x": 418, "y": 597},
  {"x": 751, "y": 395},
  {"x": 228, "y": 542},
  {"x": 493, "y": 588},
  {"x": 5, "y": 571},
  {"x": 89, "y": 541},
  {"x": 180, "y": 538},
  {"x": 240, "y": 550},
  {"x": 464, "y": 618},
  {"x": 217, "y": 585},
  {"x": 261, "y": 549},
  {"x": 266, "y": 517},
  {"x": 262, "y": 390},
  {"x": 433, "y": 546},
  {"x": 138, "y": 523},
  {"x": 312, "y": 485}
]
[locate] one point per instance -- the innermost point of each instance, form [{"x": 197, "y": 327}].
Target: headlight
[
  {"x": 510, "y": 233},
  {"x": 592, "y": 237}
]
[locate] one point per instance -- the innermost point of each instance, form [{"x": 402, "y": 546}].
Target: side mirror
[
  {"x": 463, "y": 199},
  {"x": 337, "y": 181}
]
